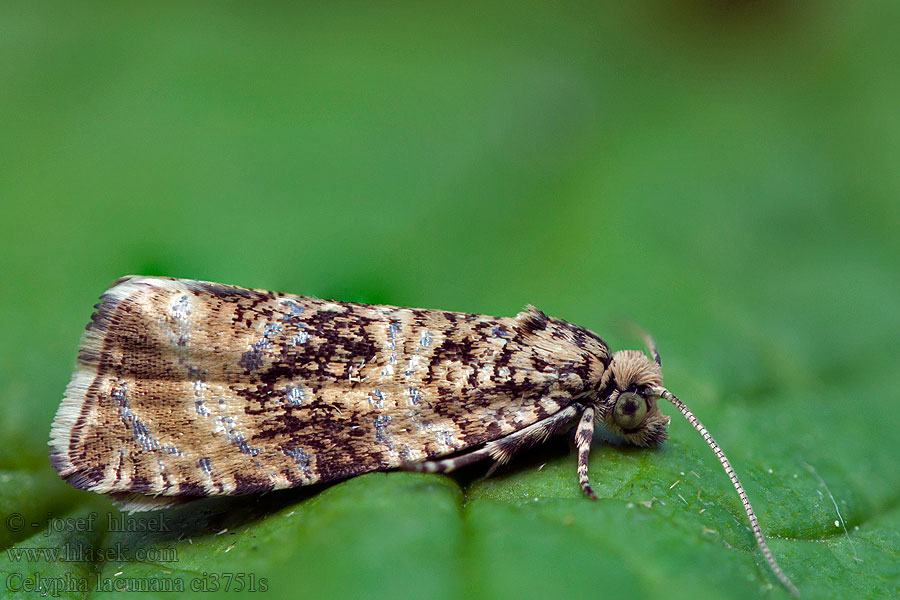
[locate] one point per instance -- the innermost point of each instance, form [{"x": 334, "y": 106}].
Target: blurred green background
[{"x": 726, "y": 174}]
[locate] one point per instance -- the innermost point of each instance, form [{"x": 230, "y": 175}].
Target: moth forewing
[{"x": 185, "y": 389}]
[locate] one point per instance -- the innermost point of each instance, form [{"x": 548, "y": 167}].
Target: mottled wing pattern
[{"x": 188, "y": 388}]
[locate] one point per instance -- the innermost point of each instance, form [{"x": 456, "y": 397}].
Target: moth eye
[{"x": 630, "y": 410}]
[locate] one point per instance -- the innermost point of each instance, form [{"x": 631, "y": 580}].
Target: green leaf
[{"x": 723, "y": 175}]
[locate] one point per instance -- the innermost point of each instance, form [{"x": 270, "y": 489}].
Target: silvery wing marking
[{"x": 188, "y": 388}]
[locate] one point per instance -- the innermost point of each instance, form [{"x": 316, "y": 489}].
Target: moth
[{"x": 185, "y": 389}]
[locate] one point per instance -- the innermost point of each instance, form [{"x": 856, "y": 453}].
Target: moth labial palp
[{"x": 185, "y": 389}]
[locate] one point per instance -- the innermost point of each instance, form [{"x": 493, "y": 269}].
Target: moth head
[{"x": 628, "y": 405}]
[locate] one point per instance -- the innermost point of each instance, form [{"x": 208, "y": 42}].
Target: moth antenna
[
  {"x": 654, "y": 351},
  {"x": 648, "y": 341},
  {"x": 754, "y": 523}
]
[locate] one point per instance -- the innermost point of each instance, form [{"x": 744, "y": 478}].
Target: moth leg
[
  {"x": 448, "y": 464},
  {"x": 583, "y": 436},
  {"x": 506, "y": 447},
  {"x": 503, "y": 449}
]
